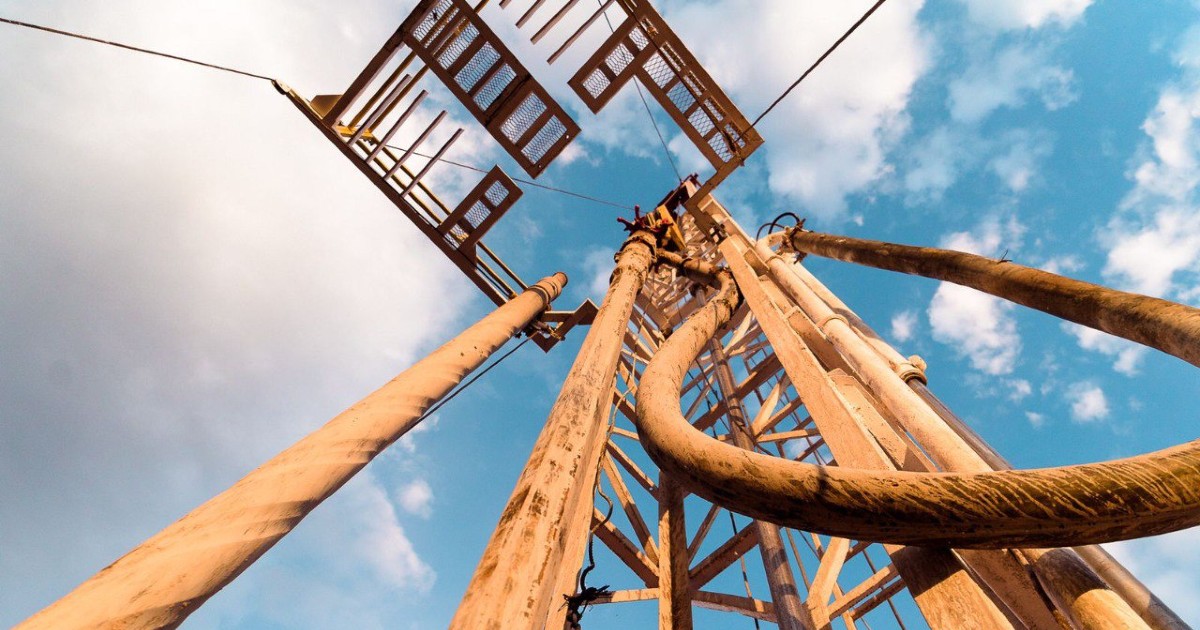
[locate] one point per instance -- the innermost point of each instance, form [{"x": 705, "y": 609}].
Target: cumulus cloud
[
  {"x": 979, "y": 327},
  {"x": 936, "y": 161},
  {"x": 1019, "y": 389},
  {"x": 598, "y": 265},
  {"x": 1150, "y": 258},
  {"x": 1088, "y": 402},
  {"x": 990, "y": 238},
  {"x": 838, "y": 129},
  {"x": 1154, "y": 239},
  {"x": 904, "y": 325},
  {"x": 203, "y": 282},
  {"x": 1000, "y": 73},
  {"x": 1017, "y": 165},
  {"x": 1062, "y": 265},
  {"x": 1036, "y": 420}
]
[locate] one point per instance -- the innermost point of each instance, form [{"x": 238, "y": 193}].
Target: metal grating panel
[
  {"x": 470, "y": 59},
  {"x": 480, "y": 210},
  {"x": 678, "y": 82}
]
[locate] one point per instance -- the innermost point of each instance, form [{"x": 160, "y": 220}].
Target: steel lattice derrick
[
  {"x": 857, "y": 580},
  {"x": 1000, "y": 589},
  {"x": 1075, "y": 591}
]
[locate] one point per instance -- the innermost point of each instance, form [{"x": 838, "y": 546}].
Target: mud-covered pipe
[
  {"x": 1168, "y": 326},
  {"x": 513, "y": 586},
  {"x": 170, "y": 575},
  {"x": 1054, "y": 507},
  {"x": 698, "y": 271}
]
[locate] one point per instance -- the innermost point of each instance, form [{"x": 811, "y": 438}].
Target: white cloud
[
  {"x": 416, "y": 497},
  {"x": 1062, "y": 265},
  {"x": 830, "y": 137},
  {"x": 1128, "y": 355},
  {"x": 1088, "y": 402},
  {"x": 1007, "y": 78},
  {"x": 904, "y": 324},
  {"x": 990, "y": 238},
  {"x": 1001, "y": 72},
  {"x": 978, "y": 326},
  {"x": 1167, "y": 566},
  {"x": 1018, "y": 166},
  {"x": 349, "y": 564},
  {"x": 937, "y": 160},
  {"x": 376, "y": 538},
  {"x": 1018, "y": 14},
  {"x": 408, "y": 441},
  {"x": 215, "y": 297},
  {"x": 1154, "y": 240},
  {"x": 1173, "y": 170},
  {"x": 598, "y": 265},
  {"x": 1149, "y": 259},
  {"x": 1037, "y": 420},
  {"x": 1021, "y": 389}
]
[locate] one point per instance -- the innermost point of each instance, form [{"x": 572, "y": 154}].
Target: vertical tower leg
[
  {"x": 674, "y": 590},
  {"x": 169, "y": 576},
  {"x": 513, "y": 586},
  {"x": 789, "y": 610}
]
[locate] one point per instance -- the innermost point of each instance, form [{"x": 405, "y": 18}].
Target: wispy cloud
[
  {"x": 416, "y": 497},
  {"x": 1018, "y": 14},
  {"x": 904, "y": 325},
  {"x": 1007, "y": 79},
  {"x": 1128, "y": 355}
]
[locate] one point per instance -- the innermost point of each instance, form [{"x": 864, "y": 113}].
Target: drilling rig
[{"x": 717, "y": 377}]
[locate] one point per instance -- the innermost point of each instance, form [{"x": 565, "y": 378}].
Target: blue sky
[{"x": 192, "y": 278}]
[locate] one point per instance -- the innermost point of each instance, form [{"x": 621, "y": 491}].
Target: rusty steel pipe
[
  {"x": 880, "y": 375},
  {"x": 1146, "y": 604},
  {"x": 1084, "y": 597},
  {"x": 1167, "y": 326},
  {"x": 1054, "y": 507},
  {"x": 166, "y": 578},
  {"x": 513, "y": 585}
]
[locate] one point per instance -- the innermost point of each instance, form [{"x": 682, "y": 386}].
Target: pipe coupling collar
[{"x": 913, "y": 369}]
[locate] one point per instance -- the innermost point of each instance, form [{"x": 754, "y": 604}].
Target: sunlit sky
[{"x": 191, "y": 277}]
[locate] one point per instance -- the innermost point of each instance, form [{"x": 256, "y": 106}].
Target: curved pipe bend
[{"x": 1052, "y": 507}]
